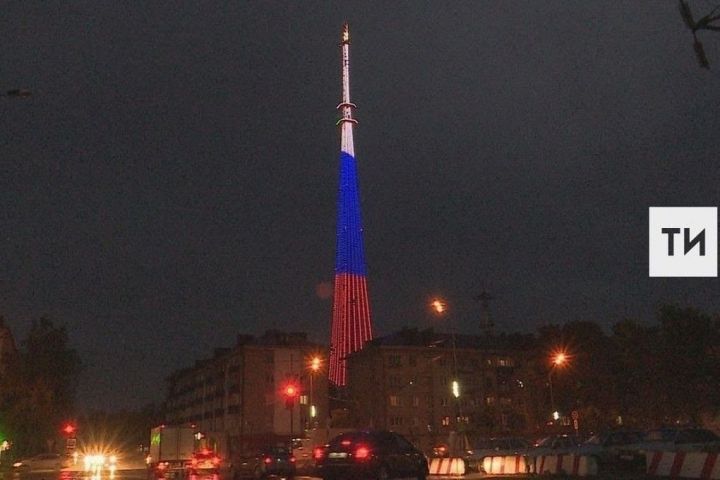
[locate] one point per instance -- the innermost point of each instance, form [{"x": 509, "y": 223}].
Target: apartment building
[
  {"x": 432, "y": 386},
  {"x": 238, "y": 397}
]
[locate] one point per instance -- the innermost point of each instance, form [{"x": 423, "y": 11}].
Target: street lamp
[
  {"x": 557, "y": 359},
  {"x": 314, "y": 366},
  {"x": 441, "y": 307}
]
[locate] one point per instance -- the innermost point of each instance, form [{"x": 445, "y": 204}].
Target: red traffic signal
[
  {"x": 69, "y": 429},
  {"x": 291, "y": 391}
]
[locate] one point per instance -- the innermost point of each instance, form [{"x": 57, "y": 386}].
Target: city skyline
[{"x": 171, "y": 181}]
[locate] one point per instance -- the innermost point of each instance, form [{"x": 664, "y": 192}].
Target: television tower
[{"x": 351, "y": 326}]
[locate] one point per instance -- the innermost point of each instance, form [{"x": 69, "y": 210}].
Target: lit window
[
  {"x": 303, "y": 399},
  {"x": 445, "y": 421},
  {"x": 395, "y": 401}
]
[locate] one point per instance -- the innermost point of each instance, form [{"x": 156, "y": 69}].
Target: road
[{"x": 142, "y": 475}]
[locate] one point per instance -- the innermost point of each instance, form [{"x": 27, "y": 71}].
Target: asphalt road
[{"x": 142, "y": 475}]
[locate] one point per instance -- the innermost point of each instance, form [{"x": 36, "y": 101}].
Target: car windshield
[
  {"x": 348, "y": 439},
  {"x": 544, "y": 442},
  {"x": 696, "y": 436},
  {"x": 663, "y": 435},
  {"x": 204, "y": 454},
  {"x": 277, "y": 451}
]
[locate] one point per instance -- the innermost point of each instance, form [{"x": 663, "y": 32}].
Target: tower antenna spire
[{"x": 351, "y": 325}]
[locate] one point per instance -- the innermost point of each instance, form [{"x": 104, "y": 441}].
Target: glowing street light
[
  {"x": 557, "y": 359},
  {"x": 314, "y": 366},
  {"x": 439, "y": 306}
]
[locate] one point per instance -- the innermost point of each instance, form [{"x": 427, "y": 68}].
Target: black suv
[{"x": 370, "y": 454}]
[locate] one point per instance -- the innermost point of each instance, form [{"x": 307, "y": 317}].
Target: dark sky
[{"x": 172, "y": 181}]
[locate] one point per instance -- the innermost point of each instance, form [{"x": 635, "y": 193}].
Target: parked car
[
  {"x": 555, "y": 445},
  {"x": 370, "y": 454},
  {"x": 43, "y": 462},
  {"x": 204, "y": 461},
  {"x": 680, "y": 439},
  {"x": 494, "y": 447},
  {"x": 271, "y": 461},
  {"x": 615, "y": 451}
]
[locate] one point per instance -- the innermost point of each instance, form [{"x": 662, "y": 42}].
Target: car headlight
[{"x": 17, "y": 464}]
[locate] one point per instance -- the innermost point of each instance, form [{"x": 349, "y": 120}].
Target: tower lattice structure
[{"x": 351, "y": 324}]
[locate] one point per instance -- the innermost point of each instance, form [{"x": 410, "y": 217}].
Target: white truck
[{"x": 171, "y": 450}]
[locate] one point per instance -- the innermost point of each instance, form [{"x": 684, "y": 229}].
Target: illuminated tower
[{"x": 351, "y": 325}]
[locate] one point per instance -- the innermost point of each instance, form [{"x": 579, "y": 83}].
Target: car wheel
[
  {"x": 382, "y": 473},
  {"x": 422, "y": 472}
]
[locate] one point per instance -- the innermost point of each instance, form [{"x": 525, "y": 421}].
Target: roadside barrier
[
  {"x": 447, "y": 466},
  {"x": 575, "y": 465},
  {"x": 702, "y": 465},
  {"x": 507, "y": 465}
]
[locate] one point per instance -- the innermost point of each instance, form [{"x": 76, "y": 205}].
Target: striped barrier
[
  {"x": 507, "y": 465},
  {"x": 575, "y": 465},
  {"x": 702, "y": 465},
  {"x": 447, "y": 466}
]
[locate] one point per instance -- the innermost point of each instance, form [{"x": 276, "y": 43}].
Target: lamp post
[
  {"x": 315, "y": 364},
  {"x": 558, "y": 359},
  {"x": 440, "y": 307}
]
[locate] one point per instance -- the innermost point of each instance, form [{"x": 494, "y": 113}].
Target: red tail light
[
  {"x": 362, "y": 452},
  {"x": 268, "y": 460},
  {"x": 345, "y": 443},
  {"x": 318, "y": 453},
  {"x": 292, "y": 459},
  {"x": 216, "y": 460},
  {"x": 194, "y": 461},
  {"x": 161, "y": 466}
]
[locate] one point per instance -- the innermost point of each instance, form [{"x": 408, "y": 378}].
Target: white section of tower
[{"x": 346, "y": 106}]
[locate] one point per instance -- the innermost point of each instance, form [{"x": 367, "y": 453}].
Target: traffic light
[
  {"x": 69, "y": 429},
  {"x": 291, "y": 392}
]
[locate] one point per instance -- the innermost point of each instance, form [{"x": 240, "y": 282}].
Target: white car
[
  {"x": 45, "y": 462},
  {"x": 680, "y": 439},
  {"x": 614, "y": 451},
  {"x": 555, "y": 445},
  {"x": 495, "y": 447}
]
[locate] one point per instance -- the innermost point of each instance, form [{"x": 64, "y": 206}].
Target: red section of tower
[{"x": 351, "y": 325}]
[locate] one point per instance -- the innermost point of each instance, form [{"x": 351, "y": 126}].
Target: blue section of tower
[{"x": 350, "y": 254}]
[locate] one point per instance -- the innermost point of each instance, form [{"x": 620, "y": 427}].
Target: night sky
[{"x": 172, "y": 181}]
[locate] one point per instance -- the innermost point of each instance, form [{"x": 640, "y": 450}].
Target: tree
[
  {"x": 38, "y": 388},
  {"x": 687, "y": 344}
]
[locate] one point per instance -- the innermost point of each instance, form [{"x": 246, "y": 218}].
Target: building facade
[
  {"x": 404, "y": 382},
  {"x": 237, "y": 398}
]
